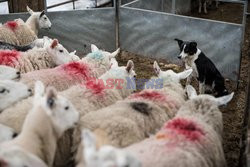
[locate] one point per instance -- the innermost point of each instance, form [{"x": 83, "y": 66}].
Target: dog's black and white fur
[
  {"x": 8, "y": 46},
  {"x": 203, "y": 68}
]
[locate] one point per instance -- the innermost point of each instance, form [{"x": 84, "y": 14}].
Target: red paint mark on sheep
[
  {"x": 8, "y": 57},
  {"x": 185, "y": 127},
  {"x": 77, "y": 69},
  {"x": 96, "y": 86},
  {"x": 12, "y": 25},
  {"x": 149, "y": 95}
]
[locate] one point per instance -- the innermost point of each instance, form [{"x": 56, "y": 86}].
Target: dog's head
[{"x": 186, "y": 48}]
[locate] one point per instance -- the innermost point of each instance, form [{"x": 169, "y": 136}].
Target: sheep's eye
[
  {"x": 3, "y": 90},
  {"x": 61, "y": 50},
  {"x": 66, "y": 108},
  {"x": 45, "y": 18}
]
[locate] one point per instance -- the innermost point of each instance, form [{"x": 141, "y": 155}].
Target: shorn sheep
[
  {"x": 62, "y": 77},
  {"x": 105, "y": 156},
  {"x": 49, "y": 118},
  {"x": 12, "y": 92},
  {"x": 132, "y": 120},
  {"x": 37, "y": 58},
  {"x": 191, "y": 139},
  {"x": 6, "y": 133},
  {"x": 9, "y": 73},
  {"x": 18, "y": 32}
]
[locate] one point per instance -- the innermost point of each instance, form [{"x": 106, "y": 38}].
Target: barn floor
[{"x": 233, "y": 114}]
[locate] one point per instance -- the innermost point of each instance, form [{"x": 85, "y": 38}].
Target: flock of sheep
[{"x": 54, "y": 112}]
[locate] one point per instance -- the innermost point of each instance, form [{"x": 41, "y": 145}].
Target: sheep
[
  {"x": 11, "y": 92},
  {"x": 9, "y": 73},
  {"x": 133, "y": 119},
  {"x": 191, "y": 138},
  {"x": 7, "y": 33},
  {"x": 49, "y": 118},
  {"x": 105, "y": 156},
  {"x": 6, "y": 133},
  {"x": 66, "y": 75},
  {"x": 36, "y": 58}
]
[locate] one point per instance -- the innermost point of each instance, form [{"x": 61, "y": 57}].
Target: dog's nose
[
  {"x": 179, "y": 57},
  {"x": 49, "y": 28}
]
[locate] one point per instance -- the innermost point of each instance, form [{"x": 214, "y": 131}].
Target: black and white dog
[{"x": 203, "y": 68}]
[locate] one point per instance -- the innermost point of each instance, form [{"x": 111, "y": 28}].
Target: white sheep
[
  {"x": 6, "y": 133},
  {"x": 49, "y": 118},
  {"x": 11, "y": 92},
  {"x": 9, "y": 73},
  {"x": 105, "y": 156},
  {"x": 36, "y": 58},
  {"x": 62, "y": 77},
  {"x": 18, "y": 32},
  {"x": 192, "y": 138},
  {"x": 132, "y": 120}
]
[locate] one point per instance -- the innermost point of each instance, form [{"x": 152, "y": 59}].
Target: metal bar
[
  {"x": 59, "y": 4},
  {"x": 117, "y": 4},
  {"x": 3, "y": 1},
  {"x": 173, "y": 6},
  {"x": 232, "y": 1},
  {"x": 127, "y": 4},
  {"x": 103, "y": 4},
  {"x": 45, "y": 5}
]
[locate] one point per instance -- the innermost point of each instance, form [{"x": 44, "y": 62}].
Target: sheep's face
[
  {"x": 101, "y": 56},
  {"x": 7, "y": 133},
  {"x": 44, "y": 22},
  {"x": 59, "y": 54},
  {"x": 61, "y": 111},
  {"x": 170, "y": 76},
  {"x": 11, "y": 92},
  {"x": 16, "y": 157},
  {"x": 10, "y": 73},
  {"x": 106, "y": 156}
]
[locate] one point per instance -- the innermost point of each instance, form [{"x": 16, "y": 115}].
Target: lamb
[
  {"x": 7, "y": 133},
  {"x": 11, "y": 92},
  {"x": 49, "y": 118},
  {"x": 105, "y": 156},
  {"x": 9, "y": 73},
  {"x": 132, "y": 120},
  {"x": 192, "y": 138},
  {"x": 18, "y": 32},
  {"x": 66, "y": 75},
  {"x": 37, "y": 58}
]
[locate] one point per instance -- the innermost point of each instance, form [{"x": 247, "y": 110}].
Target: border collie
[{"x": 203, "y": 68}]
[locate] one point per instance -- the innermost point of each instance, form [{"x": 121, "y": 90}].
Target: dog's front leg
[
  {"x": 202, "y": 87},
  {"x": 189, "y": 79}
]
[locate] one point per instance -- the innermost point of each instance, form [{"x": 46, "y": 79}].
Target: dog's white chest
[{"x": 189, "y": 63}]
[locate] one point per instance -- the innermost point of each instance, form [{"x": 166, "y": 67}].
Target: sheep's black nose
[{"x": 14, "y": 135}]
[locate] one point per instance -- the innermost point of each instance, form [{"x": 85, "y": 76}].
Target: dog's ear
[
  {"x": 180, "y": 42},
  {"x": 193, "y": 44}
]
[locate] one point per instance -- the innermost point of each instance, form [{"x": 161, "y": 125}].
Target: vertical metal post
[
  {"x": 173, "y": 6},
  {"x": 74, "y": 7},
  {"x": 45, "y": 5},
  {"x": 117, "y": 4}
]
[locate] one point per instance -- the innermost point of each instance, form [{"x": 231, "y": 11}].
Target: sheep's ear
[
  {"x": 39, "y": 89},
  {"x": 29, "y": 10},
  {"x": 94, "y": 48},
  {"x": 157, "y": 69},
  {"x": 88, "y": 139},
  {"x": 185, "y": 74},
  {"x": 54, "y": 43},
  {"x": 42, "y": 13},
  {"x": 130, "y": 66},
  {"x": 51, "y": 96},
  {"x": 115, "y": 53},
  {"x": 191, "y": 92},
  {"x": 180, "y": 42},
  {"x": 224, "y": 99}
]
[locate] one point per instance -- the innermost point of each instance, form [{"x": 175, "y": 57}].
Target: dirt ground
[{"x": 233, "y": 114}]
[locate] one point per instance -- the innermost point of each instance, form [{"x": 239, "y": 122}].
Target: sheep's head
[
  {"x": 205, "y": 107},
  {"x": 16, "y": 157},
  {"x": 170, "y": 76},
  {"x": 101, "y": 57},
  {"x": 11, "y": 92},
  {"x": 43, "y": 20},
  {"x": 7, "y": 133},
  {"x": 59, "y": 109},
  {"x": 59, "y": 54},
  {"x": 10, "y": 73},
  {"x": 106, "y": 156}
]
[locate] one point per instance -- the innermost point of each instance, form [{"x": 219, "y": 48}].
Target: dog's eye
[
  {"x": 66, "y": 108},
  {"x": 3, "y": 90},
  {"x": 61, "y": 50}
]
